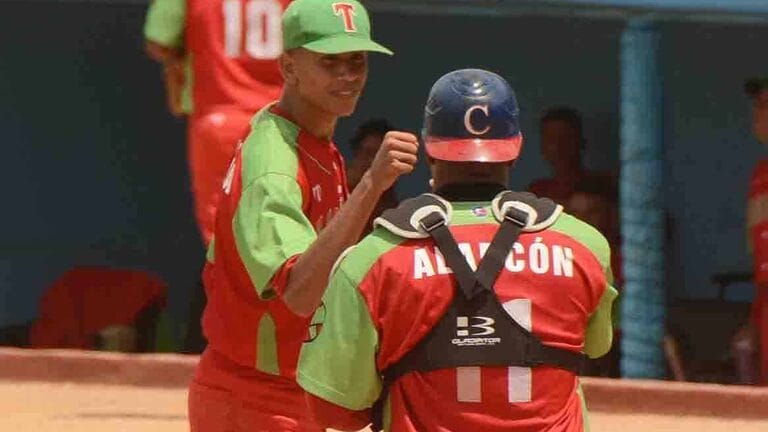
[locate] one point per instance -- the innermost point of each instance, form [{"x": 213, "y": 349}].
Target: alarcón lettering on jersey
[{"x": 539, "y": 258}]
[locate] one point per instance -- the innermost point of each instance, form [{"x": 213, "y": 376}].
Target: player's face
[
  {"x": 560, "y": 143},
  {"x": 760, "y": 116},
  {"x": 331, "y": 82}
]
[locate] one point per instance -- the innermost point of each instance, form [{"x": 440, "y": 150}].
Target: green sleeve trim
[
  {"x": 210, "y": 254},
  {"x": 165, "y": 22},
  {"x": 584, "y": 410},
  {"x": 339, "y": 365},
  {"x": 186, "y": 93},
  {"x": 269, "y": 227},
  {"x": 266, "y": 354},
  {"x": 599, "y": 336}
]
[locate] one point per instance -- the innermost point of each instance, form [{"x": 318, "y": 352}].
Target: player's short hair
[
  {"x": 372, "y": 127},
  {"x": 566, "y": 114}
]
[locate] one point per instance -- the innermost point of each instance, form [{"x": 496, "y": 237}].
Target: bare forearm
[
  {"x": 173, "y": 74},
  {"x": 309, "y": 276},
  {"x": 161, "y": 53}
]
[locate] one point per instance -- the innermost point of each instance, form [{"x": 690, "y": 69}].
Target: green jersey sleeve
[
  {"x": 339, "y": 365},
  {"x": 599, "y": 335},
  {"x": 270, "y": 227},
  {"x": 164, "y": 22}
]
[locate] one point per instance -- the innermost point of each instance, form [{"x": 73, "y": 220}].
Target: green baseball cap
[{"x": 328, "y": 27}]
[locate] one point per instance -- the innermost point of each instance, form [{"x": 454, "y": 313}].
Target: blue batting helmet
[{"x": 472, "y": 116}]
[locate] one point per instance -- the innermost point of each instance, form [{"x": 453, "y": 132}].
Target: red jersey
[
  {"x": 757, "y": 220},
  {"x": 560, "y": 190},
  {"x": 388, "y": 293},
  {"x": 85, "y": 300},
  {"x": 757, "y": 223},
  {"x": 234, "y": 47},
  {"x": 283, "y": 186}
]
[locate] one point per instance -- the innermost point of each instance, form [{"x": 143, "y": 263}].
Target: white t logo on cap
[
  {"x": 468, "y": 119},
  {"x": 346, "y": 11}
]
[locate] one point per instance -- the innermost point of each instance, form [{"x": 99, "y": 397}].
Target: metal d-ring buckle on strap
[
  {"x": 432, "y": 221},
  {"x": 517, "y": 216}
]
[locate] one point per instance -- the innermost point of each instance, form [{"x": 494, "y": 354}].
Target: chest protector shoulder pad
[{"x": 404, "y": 220}]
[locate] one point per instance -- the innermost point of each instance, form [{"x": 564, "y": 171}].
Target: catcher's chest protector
[{"x": 476, "y": 330}]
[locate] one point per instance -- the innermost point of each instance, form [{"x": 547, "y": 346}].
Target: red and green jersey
[
  {"x": 757, "y": 220},
  {"x": 757, "y": 227},
  {"x": 233, "y": 46},
  {"x": 282, "y": 187},
  {"x": 387, "y": 293},
  {"x": 164, "y": 25}
]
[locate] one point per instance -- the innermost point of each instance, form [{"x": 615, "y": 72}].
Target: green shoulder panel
[
  {"x": 586, "y": 235},
  {"x": 269, "y": 224},
  {"x": 270, "y": 148},
  {"x": 358, "y": 260}
]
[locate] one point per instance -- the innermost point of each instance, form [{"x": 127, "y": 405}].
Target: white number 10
[
  {"x": 263, "y": 34},
  {"x": 468, "y": 379}
]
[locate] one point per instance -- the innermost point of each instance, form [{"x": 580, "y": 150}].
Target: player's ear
[{"x": 287, "y": 67}]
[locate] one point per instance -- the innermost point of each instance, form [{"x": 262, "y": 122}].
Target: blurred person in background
[
  {"x": 750, "y": 344},
  {"x": 231, "y": 48},
  {"x": 596, "y": 203},
  {"x": 220, "y": 67},
  {"x": 562, "y": 144},
  {"x": 364, "y": 144}
]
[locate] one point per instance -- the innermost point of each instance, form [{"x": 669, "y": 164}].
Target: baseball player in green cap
[{"x": 283, "y": 219}]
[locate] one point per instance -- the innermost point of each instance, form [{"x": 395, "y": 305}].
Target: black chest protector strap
[{"x": 476, "y": 330}]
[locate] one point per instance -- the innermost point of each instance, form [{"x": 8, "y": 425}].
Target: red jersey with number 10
[{"x": 235, "y": 45}]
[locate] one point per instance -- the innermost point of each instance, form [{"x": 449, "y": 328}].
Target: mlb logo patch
[{"x": 480, "y": 211}]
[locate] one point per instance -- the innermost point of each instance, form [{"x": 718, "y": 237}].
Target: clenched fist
[{"x": 396, "y": 156}]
